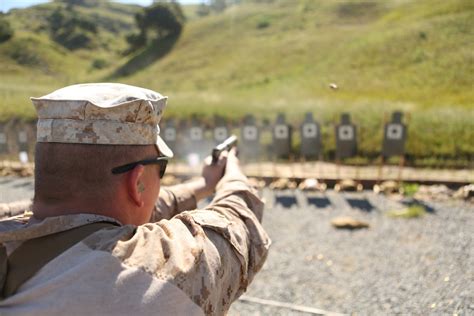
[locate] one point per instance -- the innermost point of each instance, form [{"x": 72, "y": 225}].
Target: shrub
[
  {"x": 99, "y": 63},
  {"x": 263, "y": 23},
  {"x": 23, "y": 52},
  {"x": 71, "y": 30},
  {"x": 6, "y": 31}
]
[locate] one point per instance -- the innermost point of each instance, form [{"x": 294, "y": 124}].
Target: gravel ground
[
  {"x": 416, "y": 266},
  {"x": 398, "y": 266},
  {"x": 14, "y": 189}
]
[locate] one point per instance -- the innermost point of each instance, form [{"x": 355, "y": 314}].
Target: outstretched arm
[
  {"x": 178, "y": 198},
  {"x": 210, "y": 254}
]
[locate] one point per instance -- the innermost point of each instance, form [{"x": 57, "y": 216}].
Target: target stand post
[
  {"x": 395, "y": 136},
  {"x": 346, "y": 147}
]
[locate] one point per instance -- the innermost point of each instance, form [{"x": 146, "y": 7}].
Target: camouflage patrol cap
[{"x": 101, "y": 113}]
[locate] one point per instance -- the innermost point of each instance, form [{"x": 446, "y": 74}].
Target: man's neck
[{"x": 43, "y": 210}]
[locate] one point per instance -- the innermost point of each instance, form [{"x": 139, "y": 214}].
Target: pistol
[{"x": 225, "y": 145}]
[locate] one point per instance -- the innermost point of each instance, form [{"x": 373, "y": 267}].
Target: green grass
[
  {"x": 413, "y": 211},
  {"x": 414, "y": 56},
  {"x": 409, "y": 189}
]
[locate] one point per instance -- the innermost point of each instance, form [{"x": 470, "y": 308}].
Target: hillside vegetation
[{"x": 277, "y": 56}]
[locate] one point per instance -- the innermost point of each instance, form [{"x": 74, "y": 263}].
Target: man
[{"x": 103, "y": 239}]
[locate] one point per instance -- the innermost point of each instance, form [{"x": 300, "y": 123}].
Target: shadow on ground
[
  {"x": 319, "y": 202},
  {"x": 147, "y": 56},
  {"x": 287, "y": 201},
  {"x": 416, "y": 202},
  {"x": 360, "y": 204}
]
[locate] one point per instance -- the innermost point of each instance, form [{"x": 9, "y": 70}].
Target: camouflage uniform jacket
[{"x": 181, "y": 263}]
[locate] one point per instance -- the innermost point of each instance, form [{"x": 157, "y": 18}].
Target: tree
[
  {"x": 74, "y": 2},
  {"x": 6, "y": 31},
  {"x": 163, "y": 19},
  {"x": 160, "y": 20},
  {"x": 71, "y": 29},
  {"x": 81, "y": 3},
  {"x": 219, "y": 5},
  {"x": 203, "y": 10}
]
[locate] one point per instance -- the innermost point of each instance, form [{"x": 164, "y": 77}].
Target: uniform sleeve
[
  {"x": 212, "y": 254},
  {"x": 173, "y": 200}
]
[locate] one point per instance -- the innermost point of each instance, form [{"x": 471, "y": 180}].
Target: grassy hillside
[
  {"x": 415, "y": 56},
  {"x": 33, "y": 64},
  {"x": 286, "y": 54}
]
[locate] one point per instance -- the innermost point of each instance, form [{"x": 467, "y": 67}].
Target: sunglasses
[{"x": 161, "y": 161}]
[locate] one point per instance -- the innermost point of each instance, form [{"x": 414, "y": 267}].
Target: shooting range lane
[
  {"x": 3, "y": 138},
  {"x": 282, "y": 138},
  {"x": 395, "y": 136},
  {"x": 221, "y": 129},
  {"x": 249, "y": 143},
  {"x": 346, "y": 138},
  {"x": 262, "y": 141},
  {"x": 396, "y": 266},
  {"x": 310, "y": 132},
  {"x": 169, "y": 134}
]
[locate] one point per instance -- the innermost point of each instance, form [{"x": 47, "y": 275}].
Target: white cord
[{"x": 300, "y": 308}]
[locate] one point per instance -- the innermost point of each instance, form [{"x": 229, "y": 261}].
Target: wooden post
[
  {"x": 292, "y": 166},
  {"x": 400, "y": 169},
  {"x": 380, "y": 171},
  {"x": 320, "y": 169}
]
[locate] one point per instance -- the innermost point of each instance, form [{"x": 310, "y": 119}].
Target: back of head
[
  {"x": 80, "y": 171},
  {"x": 85, "y": 130}
]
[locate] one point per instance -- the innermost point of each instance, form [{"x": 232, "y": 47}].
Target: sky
[{"x": 6, "y": 5}]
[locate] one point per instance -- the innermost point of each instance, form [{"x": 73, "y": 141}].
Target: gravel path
[
  {"x": 410, "y": 266},
  {"x": 398, "y": 266},
  {"x": 14, "y": 189}
]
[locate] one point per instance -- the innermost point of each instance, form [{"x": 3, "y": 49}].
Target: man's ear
[{"x": 135, "y": 185}]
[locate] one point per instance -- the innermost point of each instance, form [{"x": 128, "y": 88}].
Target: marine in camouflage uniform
[{"x": 184, "y": 261}]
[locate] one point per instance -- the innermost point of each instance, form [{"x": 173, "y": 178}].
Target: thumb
[
  {"x": 232, "y": 153},
  {"x": 232, "y": 157}
]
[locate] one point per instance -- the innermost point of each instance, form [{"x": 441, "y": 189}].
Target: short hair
[{"x": 64, "y": 171}]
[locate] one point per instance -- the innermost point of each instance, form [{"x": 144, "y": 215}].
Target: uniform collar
[{"x": 19, "y": 229}]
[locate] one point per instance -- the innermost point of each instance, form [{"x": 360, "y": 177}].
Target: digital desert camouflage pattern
[
  {"x": 181, "y": 263},
  {"x": 101, "y": 113}
]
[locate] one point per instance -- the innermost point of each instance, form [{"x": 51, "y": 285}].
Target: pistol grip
[{"x": 215, "y": 156}]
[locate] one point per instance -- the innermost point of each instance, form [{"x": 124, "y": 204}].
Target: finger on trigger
[{"x": 208, "y": 160}]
